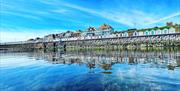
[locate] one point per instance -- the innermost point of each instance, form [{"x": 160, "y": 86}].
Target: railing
[{"x": 113, "y": 36}]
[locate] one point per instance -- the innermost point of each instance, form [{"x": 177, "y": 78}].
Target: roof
[
  {"x": 105, "y": 26},
  {"x": 90, "y": 29}
]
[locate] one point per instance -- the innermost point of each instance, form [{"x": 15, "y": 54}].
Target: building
[
  {"x": 30, "y": 40},
  {"x": 106, "y": 31},
  {"x": 103, "y": 30},
  {"x": 156, "y": 31},
  {"x": 49, "y": 37},
  {"x": 169, "y": 24},
  {"x": 68, "y": 34},
  {"x": 39, "y": 39},
  {"x": 150, "y": 31},
  {"x": 76, "y": 33},
  {"x": 172, "y": 30}
]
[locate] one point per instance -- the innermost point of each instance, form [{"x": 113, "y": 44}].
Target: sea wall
[
  {"x": 125, "y": 42},
  {"x": 172, "y": 40}
]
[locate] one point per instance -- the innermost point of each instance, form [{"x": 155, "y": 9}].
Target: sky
[{"x": 24, "y": 19}]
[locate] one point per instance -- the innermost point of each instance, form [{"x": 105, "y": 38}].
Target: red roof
[{"x": 105, "y": 26}]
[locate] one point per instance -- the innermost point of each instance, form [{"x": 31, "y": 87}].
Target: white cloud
[
  {"x": 111, "y": 16},
  {"x": 62, "y": 11},
  {"x": 12, "y": 35},
  {"x": 166, "y": 17},
  {"x": 131, "y": 18},
  {"x": 21, "y": 15},
  {"x": 16, "y": 36}
]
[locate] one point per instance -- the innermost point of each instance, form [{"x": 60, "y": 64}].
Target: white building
[
  {"x": 172, "y": 30},
  {"x": 147, "y": 32},
  {"x": 152, "y": 32},
  {"x": 135, "y": 33},
  {"x": 158, "y": 32},
  {"x": 125, "y": 34},
  {"x": 141, "y": 33}
]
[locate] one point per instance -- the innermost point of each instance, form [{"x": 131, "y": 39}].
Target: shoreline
[{"x": 168, "y": 48}]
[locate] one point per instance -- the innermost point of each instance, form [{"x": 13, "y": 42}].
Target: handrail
[{"x": 84, "y": 39}]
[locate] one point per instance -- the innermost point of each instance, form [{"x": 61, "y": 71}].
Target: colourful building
[{"x": 103, "y": 30}]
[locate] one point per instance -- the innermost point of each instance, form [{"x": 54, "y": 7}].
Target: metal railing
[{"x": 113, "y": 36}]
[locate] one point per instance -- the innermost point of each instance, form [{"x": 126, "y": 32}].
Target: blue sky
[{"x": 24, "y": 19}]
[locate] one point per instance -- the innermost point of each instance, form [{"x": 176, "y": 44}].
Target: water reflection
[
  {"x": 106, "y": 59},
  {"x": 90, "y": 71}
]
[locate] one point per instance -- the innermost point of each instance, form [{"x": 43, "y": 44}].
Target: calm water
[{"x": 90, "y": 71}]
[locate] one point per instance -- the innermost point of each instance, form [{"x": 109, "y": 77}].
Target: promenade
[{"x": 163, "y": 40}]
